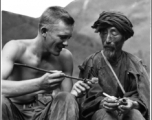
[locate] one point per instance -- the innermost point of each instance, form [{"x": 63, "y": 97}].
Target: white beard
[{"x": 110, "y": 55}]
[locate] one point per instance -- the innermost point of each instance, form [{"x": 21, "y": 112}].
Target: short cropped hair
[{"x": 54, "y": 14}]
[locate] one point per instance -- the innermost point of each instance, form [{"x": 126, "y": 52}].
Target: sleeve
[
  {"x": 85, "y": 69},
  {"x": 144, "y": 91},
  {"x": 132, "y": 92},
  {"x": 89, "y": 104},
  {"x": 139, "y": 91}
]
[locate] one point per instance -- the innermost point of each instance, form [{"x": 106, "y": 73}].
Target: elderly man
[
  {"x": 123, "y": 89},
  {"x": 22, "y": 85}
]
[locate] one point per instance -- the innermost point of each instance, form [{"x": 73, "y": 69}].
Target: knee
[
  {"x": 65, "y": 104},
  {"x": 134, "y": 115},
  {"x": 135, "y": 112},
  {"x": 65, "y": 96},
  {"x": 67, "y": 99},
  {"x": 99, "y": 114},
  {"x": 103, "y": 114}
]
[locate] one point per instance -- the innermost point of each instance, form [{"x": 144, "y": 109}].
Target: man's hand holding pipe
[{"x": 79, "y": 88}]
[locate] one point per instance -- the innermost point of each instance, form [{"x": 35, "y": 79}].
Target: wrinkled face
[
  {"x": 112, "y": 41},
  {"x": 57, "y": 38}
]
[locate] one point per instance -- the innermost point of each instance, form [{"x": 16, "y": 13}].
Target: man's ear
[{"x": 43, "y": 31}]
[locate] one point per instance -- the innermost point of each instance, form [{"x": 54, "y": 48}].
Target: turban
[{"x": 116, "y": 19}]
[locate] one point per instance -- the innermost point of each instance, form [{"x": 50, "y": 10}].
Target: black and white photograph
[{"x": 75, "y": 60}]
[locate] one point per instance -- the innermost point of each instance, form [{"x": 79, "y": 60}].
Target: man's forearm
[{"x": 18, "y": 88}]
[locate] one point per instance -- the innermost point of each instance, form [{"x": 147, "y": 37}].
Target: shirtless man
[{"x": 20, "y": 85}]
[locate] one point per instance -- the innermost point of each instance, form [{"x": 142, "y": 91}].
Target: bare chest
[{"x": 24, "y": 73}]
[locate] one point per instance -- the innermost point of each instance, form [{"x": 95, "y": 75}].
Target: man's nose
[
  {"x": 108, "y": 39},
  {"x": 65, "y": 43}
]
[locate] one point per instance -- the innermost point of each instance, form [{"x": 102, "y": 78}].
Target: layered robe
[{"x": 131, "y": 74}]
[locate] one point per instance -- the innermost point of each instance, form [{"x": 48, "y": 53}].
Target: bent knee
[
  {"x": 136, "y": 112},
  {"x": 64, "y": 96},
  {"x": 103, "y": 114},
  {"x": 134, "y": 115},
  {"x": 99, "y": 114}
]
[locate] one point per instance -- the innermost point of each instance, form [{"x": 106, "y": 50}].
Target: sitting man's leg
[
  {"x": 133, "y": 115},
  {"x": 10, "y": 111},
  {"x": 102, "y": 114},
  {"x": 64, "y": 107}
]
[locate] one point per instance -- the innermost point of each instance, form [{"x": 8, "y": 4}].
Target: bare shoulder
[
  {"x": 65, "y": 54},
  {"x": 66, "y": 61},
  {"x": 14, "y": 44},
  {"x": 14, "y": 48}
]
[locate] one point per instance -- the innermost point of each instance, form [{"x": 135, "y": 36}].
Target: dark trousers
[
  {"x": 63, "y": 107},
  {"x": 102, "y": 114}
]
